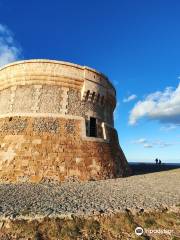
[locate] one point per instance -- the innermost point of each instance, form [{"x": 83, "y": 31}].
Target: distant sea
[
  {"x": 150, "y": 167},
  {"x": 150, "y": 163}
]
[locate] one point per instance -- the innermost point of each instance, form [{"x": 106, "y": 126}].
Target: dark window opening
[
  {"x": 93, "y": 96},
  {"x": 87, "y": 95},
  {"x": 87, "y": 128},
  {"x": 93, "y": 127}
]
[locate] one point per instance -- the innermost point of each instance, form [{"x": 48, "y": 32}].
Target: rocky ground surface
[{"x": 148, "y": 192}]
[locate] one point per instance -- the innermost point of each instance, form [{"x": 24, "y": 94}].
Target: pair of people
[{"x": 158, "y": 161}]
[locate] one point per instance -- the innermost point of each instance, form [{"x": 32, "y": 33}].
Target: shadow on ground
[{"x": 144, "y": 168}]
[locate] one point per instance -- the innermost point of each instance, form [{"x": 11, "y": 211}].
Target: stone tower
[{"x": 56, "y": 122}]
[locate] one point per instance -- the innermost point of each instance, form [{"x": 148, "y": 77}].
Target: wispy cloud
[
  {"x": 130, "y": 98},
  {"x": 169, "y": 127},
  {"x": 144, "y": 142},
  {"x": 153, "y": 143},
  {"x": 140, "y": 141},
  {"x": 148, "y": 145},
  {"x": 162, "y": 106},
  {"x": 9, "y": 49}
]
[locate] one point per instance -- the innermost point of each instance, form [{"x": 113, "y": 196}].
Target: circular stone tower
[{"x": 56, "y": 122}]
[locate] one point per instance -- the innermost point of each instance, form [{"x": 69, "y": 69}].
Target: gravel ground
[{"x": 146, "y": 192}]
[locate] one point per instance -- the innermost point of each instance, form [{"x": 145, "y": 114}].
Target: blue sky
[{"x": 135, "y": 43}]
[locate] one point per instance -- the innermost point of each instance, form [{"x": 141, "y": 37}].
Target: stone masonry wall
[
  {"x": 46, "y": 119},
  {"x": 51, "y": 99},
  {"x": 36, "y": 148}
]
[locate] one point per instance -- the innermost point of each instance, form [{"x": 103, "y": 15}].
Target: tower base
[{"x": 36, "y": 148}]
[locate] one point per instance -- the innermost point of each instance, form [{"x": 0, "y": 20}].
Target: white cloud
[
  {"x": 140, "y": 141},
  {"x": 130, "y": 98},
  {"x": 148, "y": 145},
  {"x": 144, "y": 142},
  {"x": 162, "y": 106},
  {"x": 9, "y": 49},
  {"x": 169, "y": 127},
  {"x": 153, "y": 143}
]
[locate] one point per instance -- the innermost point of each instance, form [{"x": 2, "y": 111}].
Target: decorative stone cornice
[{"x": 48, "y": 71}]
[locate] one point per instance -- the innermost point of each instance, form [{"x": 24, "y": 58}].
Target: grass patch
[
  {"x": 149, "y": 222},
  {"x": 175, "y": 238},
  {"x": 101, "y": 227}
]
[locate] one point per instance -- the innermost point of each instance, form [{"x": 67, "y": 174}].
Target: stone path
[{"x": 142, "y": 192}]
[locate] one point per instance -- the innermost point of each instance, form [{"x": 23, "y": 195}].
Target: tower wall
[{"x": 45, "y": 120}]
